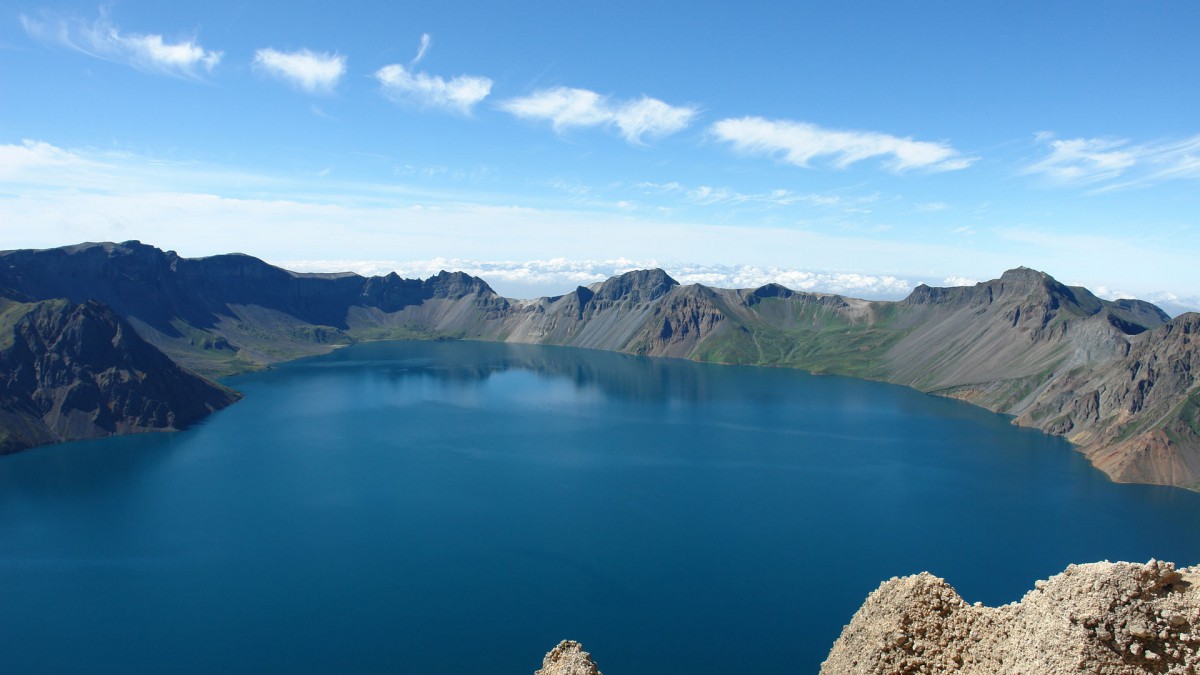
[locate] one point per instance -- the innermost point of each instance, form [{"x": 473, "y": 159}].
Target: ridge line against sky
[{"x": 210, "y": 128}]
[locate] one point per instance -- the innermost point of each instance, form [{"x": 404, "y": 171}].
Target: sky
[{"x": 859, "y": 148}]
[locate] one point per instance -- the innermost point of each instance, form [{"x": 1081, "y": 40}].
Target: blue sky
[{"x": 859, "y": 148}]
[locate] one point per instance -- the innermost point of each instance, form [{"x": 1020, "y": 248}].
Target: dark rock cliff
[{"x": 73, "y": 371}]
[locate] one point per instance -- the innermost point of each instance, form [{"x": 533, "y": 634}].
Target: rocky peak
[
  {"x": 1024, "y": 284},
  {"x": 1025, "y": 292},
  {"x": 568, "y": 658},
  {"x": 636, "y": 286},
  {"x": 238, "y": 268},
  {"x": 456, "y": 285},
  {"x": 1139, "y": 311},
  {"x": 1024, "y": 275},
  {"x": 924, "y": 294},
  {"x": 772, "y": 291}
]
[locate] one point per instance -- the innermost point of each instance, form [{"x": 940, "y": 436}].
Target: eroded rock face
[
  {"x": 1103, "y": 618},
  {"x": 76, "y": 371},
  {"x": 568, "y": 658}
]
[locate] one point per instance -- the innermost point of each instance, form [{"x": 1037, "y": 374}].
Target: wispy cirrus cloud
[
  {"x": 33, "y": 162},
  {"x": 313, "y": 72},
  {"x": 708, "y": 195},
  {"x": 101, "y": 39},
  {"x": 422, "y": 49},
  {"x": 459, "y": 93},
  {"x": 1116, "y": 163},
  {"x": 801, "y": 142},
  {"x": 566, "y": 108}
]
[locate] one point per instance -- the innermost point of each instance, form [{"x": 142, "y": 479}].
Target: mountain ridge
[{"x": 1117, "y": 378}]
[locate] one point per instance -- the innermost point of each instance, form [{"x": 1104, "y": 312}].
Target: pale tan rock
[
  {"x": 1103, "y": 618},
  {"x": 568, "y": 658}
]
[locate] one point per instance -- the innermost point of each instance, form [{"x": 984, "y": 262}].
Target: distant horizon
[
  {"x": 558, "y": 277},
  {"x": 531, "y": 279},
  {"x": 951, "y": 141}
]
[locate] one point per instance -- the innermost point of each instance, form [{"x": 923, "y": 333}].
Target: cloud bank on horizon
[
  {"x": 523, "y": 134},
  {"x": 545, "y": 278}
]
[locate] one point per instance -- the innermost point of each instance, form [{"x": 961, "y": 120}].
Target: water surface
[{"x": 428, "y": 507}]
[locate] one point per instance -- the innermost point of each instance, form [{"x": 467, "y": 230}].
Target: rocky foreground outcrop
[
  {"x": 568, "y": 658},
  {"x": 1102, "y": 618}
]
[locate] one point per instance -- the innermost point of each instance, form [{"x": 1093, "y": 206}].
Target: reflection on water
[
  {"x": 366, "y": 510},
  {"x": 630, "y": 379},
  {"x": 619, "y": 375}
]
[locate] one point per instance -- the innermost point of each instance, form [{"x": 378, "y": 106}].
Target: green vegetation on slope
[
  {"x": 1184, "y": 422},
  {"x": 816, "y": 338}
]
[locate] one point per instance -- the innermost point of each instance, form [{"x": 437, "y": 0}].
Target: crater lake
[{"x": 460, "y": 507}]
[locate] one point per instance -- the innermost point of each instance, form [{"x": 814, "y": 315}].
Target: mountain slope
[
  {"x": 1138, "y": 418},
  {"x": 232, "y": 313},
  {"x": 74, "y": 371}
]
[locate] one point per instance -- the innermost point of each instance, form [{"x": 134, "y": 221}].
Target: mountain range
[{"x": 106, "y": 338}]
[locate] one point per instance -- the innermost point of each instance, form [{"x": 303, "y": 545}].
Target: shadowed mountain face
[
  {"x": 1116, "y": 378},
  {"x": 230, "y": 313},
  {"x": 73, "y": 371}
]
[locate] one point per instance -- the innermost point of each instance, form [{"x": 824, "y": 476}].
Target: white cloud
[
  {"x": 1115, "y": 163},
  {"x": 102, "y": 40},
  {"x": 549, "y": 273},
  {"x": 459, "y": 93},
  {"x": 559, "y": 275},
  {"x": 565, "y": 107},
  {"x": 959, "y": 281},
  {"x": 1173, "y": 304},
  {"x": 1084, "y": 160},
  {"x": 36, "y": 158},
  {"x": 652, "y": 117},
  {"x": 752, "y": 276},
  {"x": 800, "y": 143},
  {"x": 35, "y": 170},
  {"x": 314, "y": 72},
  {"x": 426, "y": 43},
  {"x": 1109, "y": 293},
  {"x": 1170, "y": 303}
]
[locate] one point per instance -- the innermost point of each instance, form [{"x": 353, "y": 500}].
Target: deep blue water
[{"x": 460, "y": 507}]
